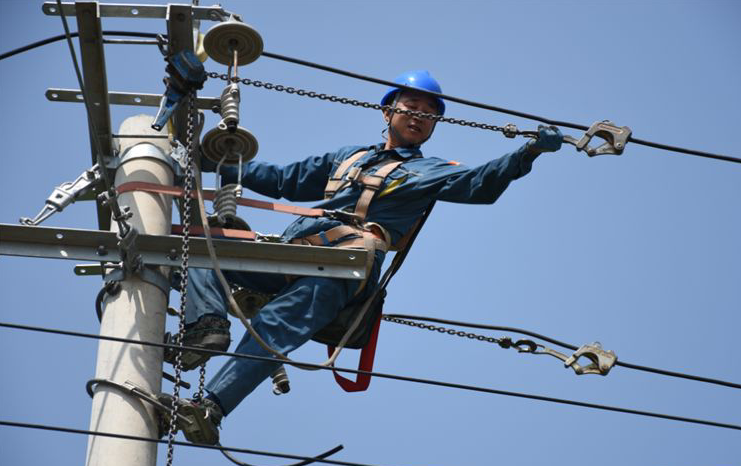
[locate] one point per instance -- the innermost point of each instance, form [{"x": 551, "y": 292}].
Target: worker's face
[{"x": 413, "y": 130}]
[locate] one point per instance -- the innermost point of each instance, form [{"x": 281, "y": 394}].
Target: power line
[
  {"x": 386, "y": 376},
  {"x": 305, "y": 459},
  {"x": 470, "y": 103},
  {"x": 567, "y": 345}
]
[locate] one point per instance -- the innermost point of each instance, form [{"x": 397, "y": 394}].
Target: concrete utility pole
[{"x": 137, "y": 312}]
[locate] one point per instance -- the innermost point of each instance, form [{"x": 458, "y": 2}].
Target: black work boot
[
  {"x": 200, "y": 419},
  {"x": 209, "y": 332}
]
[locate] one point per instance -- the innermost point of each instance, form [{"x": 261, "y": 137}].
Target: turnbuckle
[{"x": 601, "y": 360}]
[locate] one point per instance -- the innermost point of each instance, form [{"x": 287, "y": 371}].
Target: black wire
[
  {"x": 41, "y": 43},
  {"x": 566, "y": 345},
  {"x": 179, "y": 443},
  {"x": 384, "y": 82},
  {"x": 381, "y": 375}
]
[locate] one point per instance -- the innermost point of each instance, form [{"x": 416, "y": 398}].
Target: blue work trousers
[{"x": 301, "y": 307}]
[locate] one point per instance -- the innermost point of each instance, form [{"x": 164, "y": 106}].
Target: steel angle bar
[
  {"x": 125, "y": 98},
  {"x": 96, "y": 88},
  {"x": 245, "y": 256},
  {"x": 130, "y": 10},
  {"x": 180, "y": 37}
]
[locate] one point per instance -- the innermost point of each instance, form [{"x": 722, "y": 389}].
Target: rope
[{"x": 391, "y": 376}]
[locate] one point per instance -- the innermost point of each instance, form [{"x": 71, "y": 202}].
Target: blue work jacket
[{"x": 404, "y": 196}]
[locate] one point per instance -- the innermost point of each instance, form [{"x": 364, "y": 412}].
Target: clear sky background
[{"x": 640, "y": 252}]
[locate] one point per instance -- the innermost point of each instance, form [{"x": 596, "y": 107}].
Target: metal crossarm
[
  {"x": 130, "y": 10},
  {"x": 125, "y": 98},
  {"x": 246, "y": 256}
]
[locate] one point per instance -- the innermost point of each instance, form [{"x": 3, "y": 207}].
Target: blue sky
[{"x": 640, "y": 251}]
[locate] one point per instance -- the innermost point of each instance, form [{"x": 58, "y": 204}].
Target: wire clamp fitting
[
  {"x": 601, "y": 361},
  {"x": 66, "y": 194},
  {"x": 616, "y": 137}
]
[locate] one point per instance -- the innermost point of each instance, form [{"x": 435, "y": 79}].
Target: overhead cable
[
  {"x": 529, "y": 116},
  {"x": 304, "y": 459},
  {"x": 386, "y": 376},
  {"x": 564, "y": 345}
]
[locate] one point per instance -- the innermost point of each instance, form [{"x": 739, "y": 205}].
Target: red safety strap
[
  {"x": 367, "y": 355},
  {"x": 208, "y": 194}
]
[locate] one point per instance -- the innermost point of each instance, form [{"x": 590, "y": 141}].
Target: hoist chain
[
  {"x": 504, "y": 342},
  {"x": 186, "y": 220},
  {"x": 509, "y": 130}
]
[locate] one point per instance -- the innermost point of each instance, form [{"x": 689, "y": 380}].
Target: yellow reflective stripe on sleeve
[{"x": 393, "y": 185}]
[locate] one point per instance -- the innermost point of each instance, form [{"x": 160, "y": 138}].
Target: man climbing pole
[{"x": 388, "y": 185}]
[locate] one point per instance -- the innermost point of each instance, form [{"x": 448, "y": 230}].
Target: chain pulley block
[{"x": 185, "y": 74}]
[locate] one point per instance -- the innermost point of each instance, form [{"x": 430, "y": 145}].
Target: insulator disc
[
  {"x": 222, "y": 39},
  {"x": 218, "y": 143}
]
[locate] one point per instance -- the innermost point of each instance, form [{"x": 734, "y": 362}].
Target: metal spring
[
  {"x": 230, "y": 108},
  {"x": 225, "y": 202},
  {"x": 281, "y": 384}
]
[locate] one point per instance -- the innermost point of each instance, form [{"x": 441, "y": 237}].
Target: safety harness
[
  {"x": 357, "y": 324},
  {"x": 362, "y": 321}
]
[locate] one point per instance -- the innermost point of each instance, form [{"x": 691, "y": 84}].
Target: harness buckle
[
  {"x": 344, "y": 217},
  {"x": 354, "y": 173},
  {"x": 616, "y": 137}
]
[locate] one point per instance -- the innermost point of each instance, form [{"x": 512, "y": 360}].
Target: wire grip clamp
[
  {"x": 66, "y": 194},
  {"x": 616, "y": 137},
  {"x": 601, "y": 360}
]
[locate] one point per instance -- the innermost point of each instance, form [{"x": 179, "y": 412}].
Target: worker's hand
[{"x": 549, "y": 140}]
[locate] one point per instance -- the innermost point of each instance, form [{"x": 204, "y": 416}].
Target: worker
[{"x": 304, "y": 305}]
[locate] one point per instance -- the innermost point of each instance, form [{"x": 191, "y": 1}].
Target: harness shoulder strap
[
  {"x": 371, "y": 184},
  {"x": 336, "y": 182}
]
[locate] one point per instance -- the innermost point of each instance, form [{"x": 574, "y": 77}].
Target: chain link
[
  {"x": 504, "y": 342},
  {"x": 509, "y": 130},
  {"x": 187, "y": 209},
  {"x": 201, "y": 381}
]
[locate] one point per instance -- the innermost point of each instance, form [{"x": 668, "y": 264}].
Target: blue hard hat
[{"x": 421, "y": 79}]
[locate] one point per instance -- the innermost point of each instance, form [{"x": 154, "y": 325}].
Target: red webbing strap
[
  {"x": 209, "y": 195},
  {"x": 367, "y": 356},
  {"x": 225, "y": 232}
]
